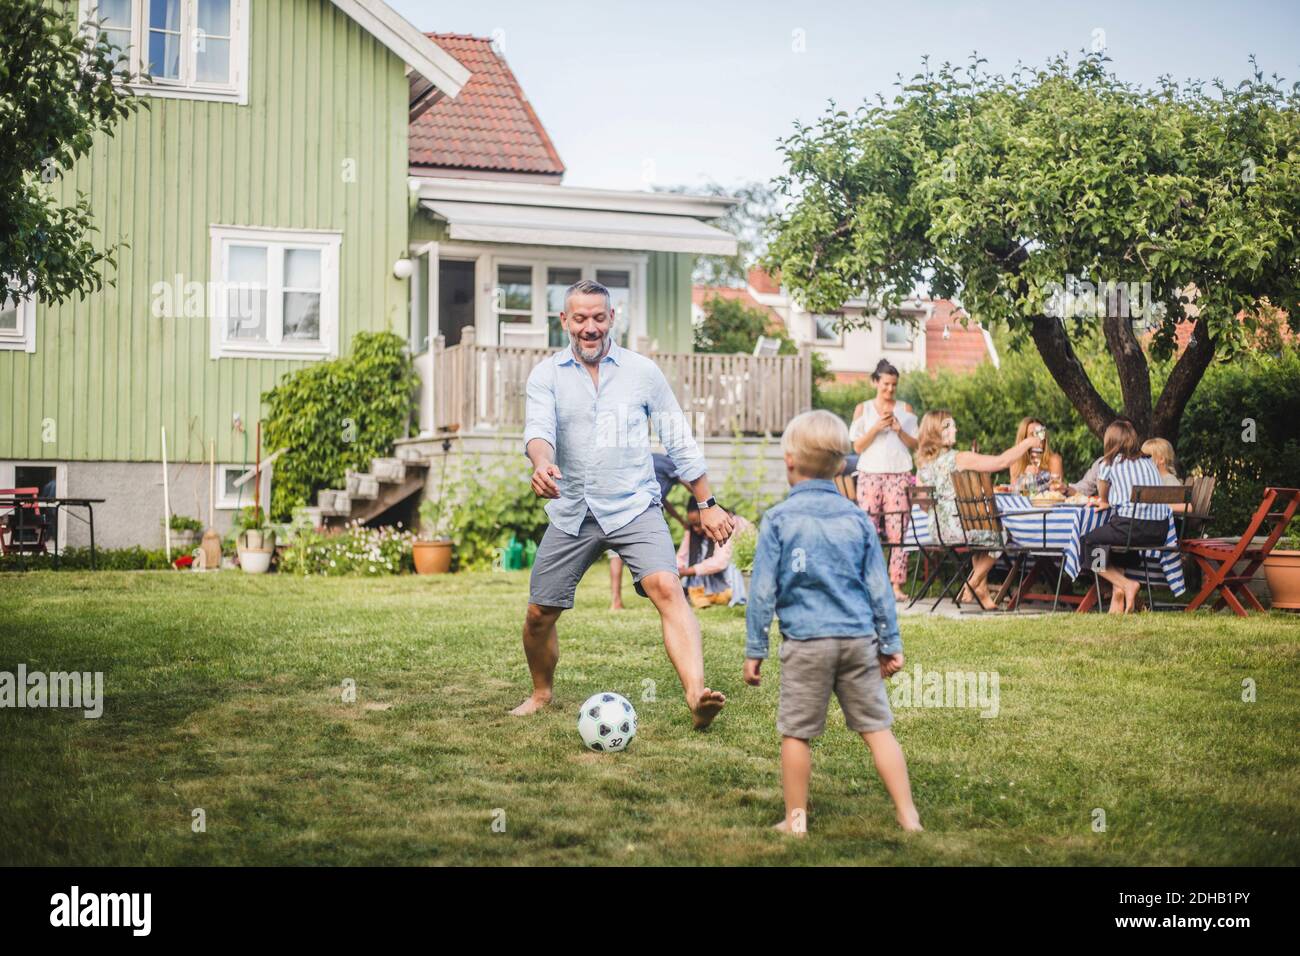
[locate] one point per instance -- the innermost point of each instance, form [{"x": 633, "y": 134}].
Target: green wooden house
[{"x": 306, "y": 170}]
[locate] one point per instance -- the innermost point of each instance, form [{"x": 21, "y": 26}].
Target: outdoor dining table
[
  {"x": 10, "y": 502},
  {"x": 1064, "y": 527}
]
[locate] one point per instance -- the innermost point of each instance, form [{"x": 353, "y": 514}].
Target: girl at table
[
  {"x": 1123, "y": 466},
  {"x": 936, "y": 460},
  {"x": 1162, "y": 453},
  {"x": 708, "y": 574},
  {"x": 883, "y": 434},
  {"x": 1039, "y": 469}
]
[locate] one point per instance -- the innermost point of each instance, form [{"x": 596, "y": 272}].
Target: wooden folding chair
[
  {"x": 932, "y": 552},
  {"x": 1198, "y": 514},
  {"x": 23, "y": 529},
  {"x": 1155, "y": 495},
  {"x": 847, "y": 486},
  {"x": 1218, "y": 557}
]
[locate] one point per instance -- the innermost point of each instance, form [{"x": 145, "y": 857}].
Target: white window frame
[
  {"x": 224, "y": 503},
  {"x": 186, "y": 87},
  {"x": 23, "y": 338},
  {"x": 909, "y": 330},
  {"x": 817, "y": 341},
  {"x": 329, "y": 243},
  {"x": 540, "y": 259}
]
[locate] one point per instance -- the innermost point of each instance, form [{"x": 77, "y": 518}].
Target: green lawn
[{"x": 224, "y": 692}]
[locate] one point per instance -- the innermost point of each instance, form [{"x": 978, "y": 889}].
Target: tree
[
  {"x": 1056, "y": 200},
  {"x": 746, "y": 220},
  {"x": 57, "y": 90}
]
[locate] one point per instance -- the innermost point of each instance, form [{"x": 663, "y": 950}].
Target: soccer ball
[{"x": 607, "y": 722}]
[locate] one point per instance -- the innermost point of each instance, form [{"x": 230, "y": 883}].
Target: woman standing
[
  {"x": 936, "y": 460},
  {"x": 883, "y": 434}
]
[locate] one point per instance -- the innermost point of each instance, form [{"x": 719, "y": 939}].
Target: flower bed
[{"x": 355, "y": 550}]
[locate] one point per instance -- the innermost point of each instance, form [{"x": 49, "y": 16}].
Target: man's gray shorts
[
  {"x": 562, "y": 559},
  {"x": 811, "y": 669}
]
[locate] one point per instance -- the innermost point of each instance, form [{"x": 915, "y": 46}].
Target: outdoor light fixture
[{"x": 403, "y": 268}]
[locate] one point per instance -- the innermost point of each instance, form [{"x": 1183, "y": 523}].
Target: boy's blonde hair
[
  {"x": 1160, "y": 450},
  {"x": 818, "y": 441}
]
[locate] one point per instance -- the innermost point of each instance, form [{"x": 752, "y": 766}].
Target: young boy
[{"x": 819, "y": 566}]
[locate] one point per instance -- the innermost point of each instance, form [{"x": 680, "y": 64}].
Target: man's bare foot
[
  {"x": 616, "y": 607},
  {"x": 533, "y": 704},
  {"x": 707, "y": 707},
  {"x": 910, "y": 821}
]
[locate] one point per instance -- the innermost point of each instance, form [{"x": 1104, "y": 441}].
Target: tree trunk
[
  {"x": 1186, "y": 375},
  {"x": 1134, "y": 374},
  {"x": 1053, "y": 344}
]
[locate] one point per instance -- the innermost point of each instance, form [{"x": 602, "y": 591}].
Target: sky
[{"x": 667, "y": 92}]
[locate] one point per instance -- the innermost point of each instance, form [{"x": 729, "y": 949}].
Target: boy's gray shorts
[
  {"x": 562, "y": 559},
  {"x": 811, "y": 669}
]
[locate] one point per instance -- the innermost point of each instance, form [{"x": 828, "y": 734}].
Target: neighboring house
[
  {"x": 310, "y": 170},
  {"x": 921, "y": 334}
]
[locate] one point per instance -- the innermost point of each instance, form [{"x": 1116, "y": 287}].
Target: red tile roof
[{"x": 489, "y": 126}]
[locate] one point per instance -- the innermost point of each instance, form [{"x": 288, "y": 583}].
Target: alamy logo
[
  {"x": 103, "y": 909},
  {"x": 958, "y": 689},
  {"x": 70, "y": 689}
]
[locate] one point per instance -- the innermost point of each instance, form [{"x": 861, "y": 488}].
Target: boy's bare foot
[
  {"x": 706, "y": 707},
  {"x": 784, "y": 827},
  {"x": 533, "y": 704}
]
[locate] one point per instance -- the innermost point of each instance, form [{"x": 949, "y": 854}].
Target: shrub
[
  {"x": 743, "y": 547},
  {"x": 489, "y": 504},
  {"x": 185, "y": 523},
  {"x": 1241, "y": 427},
  {"x": 78, "y": 559},
  {"x": 354, "y": 550},
  {"x": 335, "y": 416}
]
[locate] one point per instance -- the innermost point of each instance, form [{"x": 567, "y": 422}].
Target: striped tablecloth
[{"x": 1063, "y": 528}]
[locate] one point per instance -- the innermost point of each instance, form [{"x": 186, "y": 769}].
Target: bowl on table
[{"x": 1047, "y": 499}]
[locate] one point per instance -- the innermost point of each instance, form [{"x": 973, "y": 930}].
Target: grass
[{"x": 224, "y": 693}]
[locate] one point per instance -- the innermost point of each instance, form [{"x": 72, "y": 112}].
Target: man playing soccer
[{"x": 590, "y": 408}]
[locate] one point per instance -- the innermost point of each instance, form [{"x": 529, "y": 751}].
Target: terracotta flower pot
[
  {"x": 432, "y": 557},
  {"x": 1282, "y": 571}
]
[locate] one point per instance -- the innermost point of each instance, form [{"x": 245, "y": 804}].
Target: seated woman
[
  {"x": 1039, "y": 469},
  {"x": 936, "y": 460},
  {"x": 1162, "y": 453},
  {"x": 707, "y": 573},
  {"x": 1124, "y": 466}
]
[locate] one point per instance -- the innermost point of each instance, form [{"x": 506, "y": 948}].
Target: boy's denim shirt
[{"x": 819, "y": 566}]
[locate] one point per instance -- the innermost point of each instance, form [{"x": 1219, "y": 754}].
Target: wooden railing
[{"x": 482, "y": 387}]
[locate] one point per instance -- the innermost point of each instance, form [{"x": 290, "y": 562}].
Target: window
[
  {"x": 277, "y": 293},
  {"x": 17, "y": 324},
  {"x": 898, "y": 334},
  {"x": 180, "y": 48},
  {"x": 557, "y": 281},
  {"x": 619, "y": 284},
  {"x": 514, "y": 297},
  {"x": 232, "y": 496},
  {"x": 824, "y": 329}
]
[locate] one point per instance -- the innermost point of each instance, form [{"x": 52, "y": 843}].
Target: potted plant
[
  {"x": 432, "y": 549},
  {"x": 1282, "y": 569},
  {"x": 185, "y": 532},
  {"x": 254, "y": 540}
]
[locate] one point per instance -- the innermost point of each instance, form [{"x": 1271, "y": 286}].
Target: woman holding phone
[{"x": 883, "y": 434}]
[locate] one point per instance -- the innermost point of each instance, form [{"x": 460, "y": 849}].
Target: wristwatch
[{"x": 710, "y": 502}]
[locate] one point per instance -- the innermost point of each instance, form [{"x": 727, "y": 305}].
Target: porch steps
[{"x": 368, "y": 494}]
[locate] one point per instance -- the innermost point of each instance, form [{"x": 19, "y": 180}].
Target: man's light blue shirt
[{"x": 601, "y": 436}]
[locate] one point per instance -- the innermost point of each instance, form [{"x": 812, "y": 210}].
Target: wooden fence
[{"x": 482, "y": 386}]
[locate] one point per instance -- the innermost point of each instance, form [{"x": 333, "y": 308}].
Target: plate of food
[{"x": 1047, "y": 499}]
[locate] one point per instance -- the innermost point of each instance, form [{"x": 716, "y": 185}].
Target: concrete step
[
  {"x": 361, "y": 484},
  {"x": 333, "y": 502}
]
